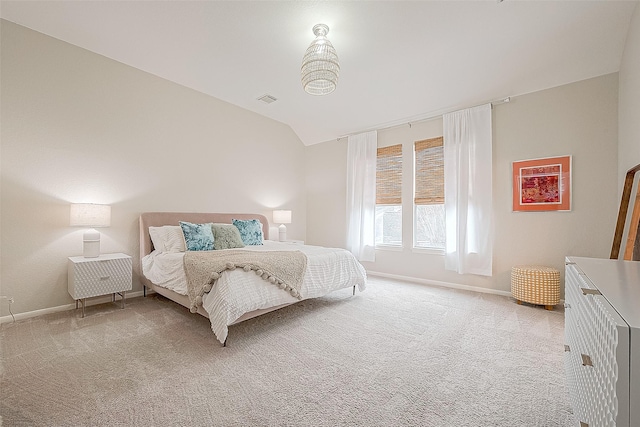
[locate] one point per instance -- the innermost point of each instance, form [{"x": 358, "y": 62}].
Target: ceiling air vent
[{"x": 267, "y": 99}]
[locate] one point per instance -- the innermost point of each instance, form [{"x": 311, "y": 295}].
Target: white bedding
[{"x": 238, "y": 292}]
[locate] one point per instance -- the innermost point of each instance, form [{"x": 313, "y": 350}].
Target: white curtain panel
[
  {"x": 468, "y": 191},
  {"x": 361, "y": 195}
]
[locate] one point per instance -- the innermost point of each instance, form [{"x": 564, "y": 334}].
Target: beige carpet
[{"x": 397, "y": 354}]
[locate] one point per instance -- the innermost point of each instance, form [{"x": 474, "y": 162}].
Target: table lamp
[
  {"x": 90, "y": 215},
  {"x": 282, "y": 217}
]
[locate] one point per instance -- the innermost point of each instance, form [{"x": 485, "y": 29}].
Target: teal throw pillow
[
  {"x": 226, "y": 236},
  {"x": 197, "y": 237},
  {"x": 250, "y": 231}
]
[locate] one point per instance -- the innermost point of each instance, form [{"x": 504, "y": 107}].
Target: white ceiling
[{"x": 400, "y": 61}]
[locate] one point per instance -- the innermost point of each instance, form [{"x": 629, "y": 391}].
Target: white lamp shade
[
  {"x": 90, "y": 215},
  {"x": 282, "y": 217}
]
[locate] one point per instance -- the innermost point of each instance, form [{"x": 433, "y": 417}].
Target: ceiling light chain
[{"x": 320, "y": 66}]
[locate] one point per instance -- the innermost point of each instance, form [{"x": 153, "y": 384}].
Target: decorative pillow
[
  {"x": 198, "y": 237},
  {"x": 250, "y": 231},
  {"x": 226, "y": 236},
  {"x": 168, "y": 238}
]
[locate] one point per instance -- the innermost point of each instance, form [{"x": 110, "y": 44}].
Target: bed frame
[{"x": 158, "y": 219}]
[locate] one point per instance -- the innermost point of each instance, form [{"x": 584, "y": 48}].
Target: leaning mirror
[{"x": 626, "y": 240}]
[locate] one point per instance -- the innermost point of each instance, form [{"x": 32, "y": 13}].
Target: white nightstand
[{"x": 92, "y": 277}]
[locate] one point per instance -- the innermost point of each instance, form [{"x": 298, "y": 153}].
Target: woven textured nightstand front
[
  {"x": 536, "y": 284},
  {"x": 103, "y": 275},
  {"x": 106, "y": 274}
]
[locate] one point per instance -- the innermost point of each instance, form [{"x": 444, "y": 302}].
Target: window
[
  {"x": 429, "y": 221},
  {"x": 389, "y": 196}
]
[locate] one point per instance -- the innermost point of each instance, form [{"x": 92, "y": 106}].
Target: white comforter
[{"x": 238, "y": 292}]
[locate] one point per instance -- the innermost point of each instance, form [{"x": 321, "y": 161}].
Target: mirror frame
[{"x": 632, "y": 246}]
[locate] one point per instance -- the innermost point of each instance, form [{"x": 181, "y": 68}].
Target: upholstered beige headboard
[{"x": 157, "y": 219}]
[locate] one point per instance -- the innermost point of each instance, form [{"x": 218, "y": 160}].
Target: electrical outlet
[{"x": 10, "y": 299}]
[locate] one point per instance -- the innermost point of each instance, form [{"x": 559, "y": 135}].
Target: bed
[{"x": 241, "y": 288}]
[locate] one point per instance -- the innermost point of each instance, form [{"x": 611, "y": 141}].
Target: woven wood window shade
[
  {"x": 429, "y": 172},
  {"x": 389, "y": 175}
]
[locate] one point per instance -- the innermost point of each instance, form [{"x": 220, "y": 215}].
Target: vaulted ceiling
[{"x": 400, "y": 61}]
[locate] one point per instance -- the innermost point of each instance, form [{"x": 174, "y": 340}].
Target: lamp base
[
  {"x": 91, "y": 244},
  {"x": 282, "y": 233}
]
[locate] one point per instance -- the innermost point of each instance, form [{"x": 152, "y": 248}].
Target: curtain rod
[{"x": 425, "y": 119}]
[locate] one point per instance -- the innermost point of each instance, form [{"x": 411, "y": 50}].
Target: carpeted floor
[{"x": 398, "y": 354}]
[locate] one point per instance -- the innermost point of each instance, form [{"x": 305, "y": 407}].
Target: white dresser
[
  {"x": 602, "y": 341},
  {"x": 106, "y": 274}
]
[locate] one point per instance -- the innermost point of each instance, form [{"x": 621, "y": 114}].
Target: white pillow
[{"x": 168, "y": 238}]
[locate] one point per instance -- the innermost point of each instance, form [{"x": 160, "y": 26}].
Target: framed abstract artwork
[{"x": 542, "y": 184}]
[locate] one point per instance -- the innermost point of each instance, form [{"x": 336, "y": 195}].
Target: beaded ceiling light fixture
[{"x": 320, "y": 67}]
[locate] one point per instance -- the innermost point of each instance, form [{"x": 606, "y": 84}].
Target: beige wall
[
  {"x": 578, "y": 119},
  {"x": 78, "y": 127},
  {"x": 326, "y": 178},
  {"x": 629, "y": 146}
]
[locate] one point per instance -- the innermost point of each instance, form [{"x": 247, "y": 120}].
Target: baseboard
[
  {"x": 92, "y": 301},
  {"x": 439, "y": 283},
  {"x": 107, "y": 298}
]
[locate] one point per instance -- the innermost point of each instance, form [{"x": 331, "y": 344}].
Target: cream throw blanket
[{"x": 284, "y": 269}]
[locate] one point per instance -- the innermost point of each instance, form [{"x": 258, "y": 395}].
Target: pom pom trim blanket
[{"x": 284, "y": 269}]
